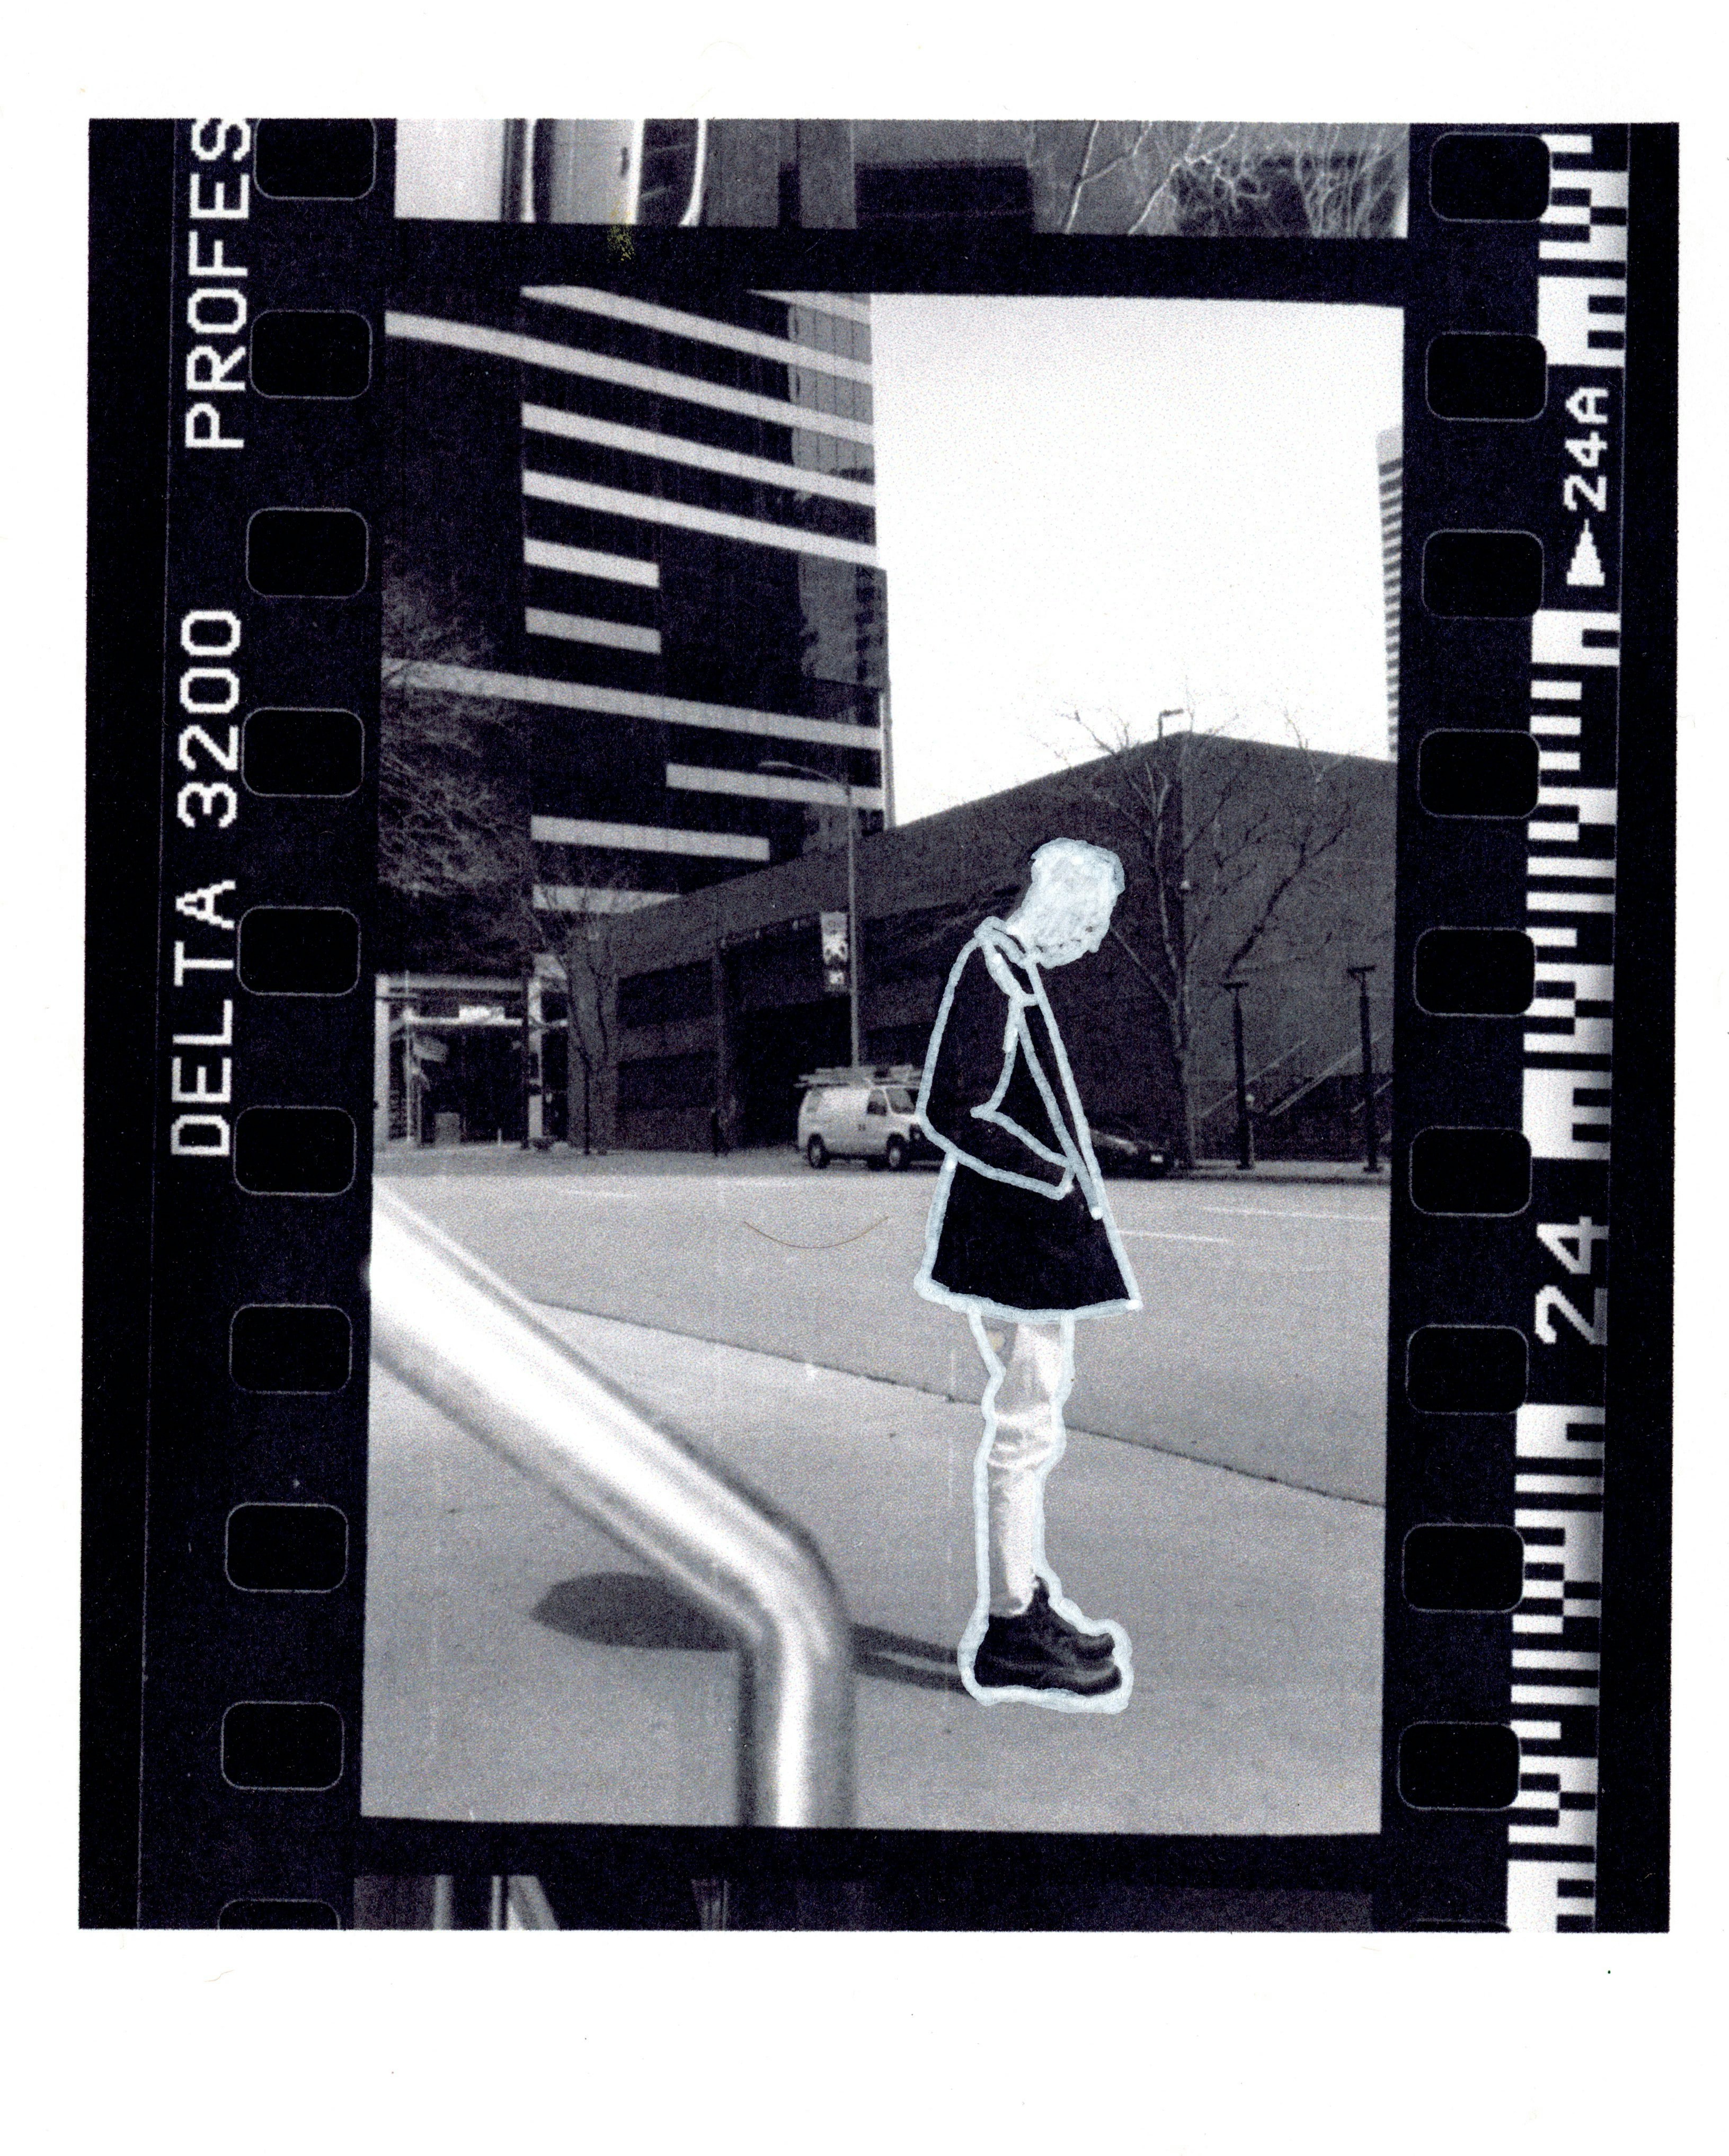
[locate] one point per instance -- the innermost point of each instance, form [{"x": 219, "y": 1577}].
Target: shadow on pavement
[
  {"x": 630, "y": 1609},
  {"x": 891, "y": 1655}
]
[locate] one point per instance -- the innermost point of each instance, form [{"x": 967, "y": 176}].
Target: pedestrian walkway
[
  {"x": 519, "y": 1667},
  {"x": 399, "y": 1158}
]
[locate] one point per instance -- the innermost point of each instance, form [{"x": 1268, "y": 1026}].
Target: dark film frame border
[{"x": 198, "y": 1847}]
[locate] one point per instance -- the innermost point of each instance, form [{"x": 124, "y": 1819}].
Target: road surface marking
[
  {"x": 1267, "y": 1213},
  {"x": 1169, "y": 1235}
]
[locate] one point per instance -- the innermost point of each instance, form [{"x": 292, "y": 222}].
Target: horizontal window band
[
  {"x": 685, "y": 516},
  {"x": 699, "y": 328},
  {"x": 762, "y": 786},
  {"x": 676, "y": 449},
  {"x": 594, "y": 898},
  {"x": 626, "y": 374},
  {"x": 666, "y": 417},
  {"x": 584, "y": 628},
  {"x": 633, "y": 477},
  {"x": 585, "y": 562},
  {"x": 781, "y": 376},
  {"x": 628, "y": 703},
  {"x": 646, "y": 838},
  {"x": 569, "y": 591},
  {"x": 596, "y": 666},
  {"x": 826, "y": 303}
]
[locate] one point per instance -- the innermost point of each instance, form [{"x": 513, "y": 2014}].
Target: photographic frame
[{"x": 1458, "y": 1849}]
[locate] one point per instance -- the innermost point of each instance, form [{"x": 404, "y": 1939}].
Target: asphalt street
[
  {"x": 1261, "y": 1347},
  {"x": 519, "y": 1667}
]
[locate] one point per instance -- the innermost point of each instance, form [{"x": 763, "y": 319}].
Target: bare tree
[
  {"x": 455, "y": 825},
  {"x": 451, "y": 818},
  {"x": 1225, "y": 857},
  {"x": 1213, "y": 179},
  {"x": 579, "y": 932}
]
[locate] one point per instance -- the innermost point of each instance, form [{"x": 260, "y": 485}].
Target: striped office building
[{"x": 652, "y": 528}]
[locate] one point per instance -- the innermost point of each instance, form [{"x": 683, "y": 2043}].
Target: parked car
[
  {"x": 1120, "y": 1149},
  {"x": 875, "y": 1123}
]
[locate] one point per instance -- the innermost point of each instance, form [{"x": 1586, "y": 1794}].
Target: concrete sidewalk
[
  {"x": 519, "y": 1667},
  {"x": 402, "y": 1158}
]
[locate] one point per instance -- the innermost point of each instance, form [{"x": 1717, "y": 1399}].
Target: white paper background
[{"x": 836, "y": 2042}]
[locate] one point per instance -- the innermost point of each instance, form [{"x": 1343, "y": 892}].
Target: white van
[{"x": 853, "y": 1119}]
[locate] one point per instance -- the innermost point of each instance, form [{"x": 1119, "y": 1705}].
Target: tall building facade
[
  {"x": 649, "y": 532},
  {"x": 1390, "y": 459}
]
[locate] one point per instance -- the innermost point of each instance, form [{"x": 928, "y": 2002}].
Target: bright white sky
[{"x": 1121, "y": 506}]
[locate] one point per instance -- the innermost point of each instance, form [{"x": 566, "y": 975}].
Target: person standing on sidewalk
[{"x": 1021, "y": 1238}]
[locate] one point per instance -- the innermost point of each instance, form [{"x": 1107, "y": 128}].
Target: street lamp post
[
  {"x": 526, "y": 1052},
  {"x": 1370, "y": 1147},
  {"x": 856, "y": 940},
  {"x": 1245, "y": 1129}
]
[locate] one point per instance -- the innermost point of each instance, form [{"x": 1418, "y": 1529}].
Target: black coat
[{"x": 1020, "y": 1226}]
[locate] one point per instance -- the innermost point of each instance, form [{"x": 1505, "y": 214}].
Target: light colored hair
[
  {"x": 1069, "y": 900},
  {"x": 1071, "y": 868}
]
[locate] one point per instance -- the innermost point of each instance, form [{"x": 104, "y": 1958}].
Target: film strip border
[
  {"x": 255, "y": 1479},
  {"x": 1575, "y": 653},
  {"x": 1516, "y": 369}
]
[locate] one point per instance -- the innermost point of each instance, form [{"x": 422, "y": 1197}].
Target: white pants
[{"x": 1022, "y": 1403}]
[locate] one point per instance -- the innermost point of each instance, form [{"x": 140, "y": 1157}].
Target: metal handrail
[
  {"x": 1229, "y": 1100},
  {"x": 458, "y": 1336},
  {"x": 1301, "y": 1092},
  {"x": 1334, "y": 1070}
]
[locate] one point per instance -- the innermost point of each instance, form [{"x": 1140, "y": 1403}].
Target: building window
[
  {"x": 671, "y": 997},
  {"x": 659, "y": 1082}
]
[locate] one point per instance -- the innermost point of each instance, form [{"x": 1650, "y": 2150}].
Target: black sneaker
[
  {"x": 1028, "y": 1650},
  {"x": 1093, "y": 1646}
]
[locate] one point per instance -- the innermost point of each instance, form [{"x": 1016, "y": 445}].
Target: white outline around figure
[{"x": 1001, "y": 1258}]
